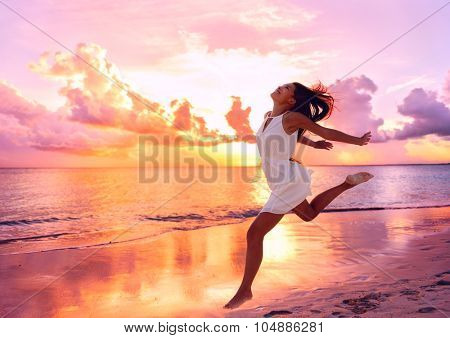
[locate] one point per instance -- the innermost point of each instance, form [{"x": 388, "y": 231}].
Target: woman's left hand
[{"x": 322, "y": 144}]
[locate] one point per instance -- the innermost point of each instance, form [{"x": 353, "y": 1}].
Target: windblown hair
[{"x": 315, "y": 102}]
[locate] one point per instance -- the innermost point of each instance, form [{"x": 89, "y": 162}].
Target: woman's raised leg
[
  {"x": 308, "y": 211},
  {"x": 263, "y": 223}
]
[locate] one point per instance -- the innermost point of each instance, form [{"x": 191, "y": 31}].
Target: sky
[{"x": 121, "y": 83}]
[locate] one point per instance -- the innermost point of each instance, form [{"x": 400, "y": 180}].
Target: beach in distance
[{"x": 99, "y": 243}]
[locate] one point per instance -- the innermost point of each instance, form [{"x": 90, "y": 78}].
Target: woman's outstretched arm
[
  {"x": 322, "y": 144},
  {"x": 295, "y": 121},
  {"x": 306, "y": 141}
]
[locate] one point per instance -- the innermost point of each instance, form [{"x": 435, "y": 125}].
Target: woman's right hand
[{"x": 365, "y": 139}]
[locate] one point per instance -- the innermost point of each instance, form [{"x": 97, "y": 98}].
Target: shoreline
[
  {"x": 194, "y": 273},
  {"x": 246, "y": 213}
]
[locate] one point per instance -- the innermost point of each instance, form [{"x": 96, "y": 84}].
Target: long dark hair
[{"x": 314, "y": 102}]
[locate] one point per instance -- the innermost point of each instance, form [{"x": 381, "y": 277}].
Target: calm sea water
[{"x": 48, "y": 209}]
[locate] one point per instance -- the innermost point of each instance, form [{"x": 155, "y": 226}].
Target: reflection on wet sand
[{"x": 194, "y": 273}]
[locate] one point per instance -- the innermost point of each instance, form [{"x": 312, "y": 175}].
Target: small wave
[
  {"x": 31, "y": 238},
  {"x": 84, "y": 246},
  {"x": 243, "y": 214},
  {"x": 36, "y": 220},
  {"x": 240, "y": 214},
  {"x": 384, "y": 208},
  {"x": 174, "y": 218},
  {"x": 234, "y": 216},
  {"x": 114, "y": 241}
]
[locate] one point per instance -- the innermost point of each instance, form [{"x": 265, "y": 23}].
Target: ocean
[{"x": 59, "y": 209}]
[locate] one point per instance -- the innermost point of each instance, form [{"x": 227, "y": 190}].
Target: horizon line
[{"x": 312, "y": 165}]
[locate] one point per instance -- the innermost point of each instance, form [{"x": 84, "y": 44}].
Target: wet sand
[
  {"x": 408, "y": 286},
  {"x": 381, "y": 263}
]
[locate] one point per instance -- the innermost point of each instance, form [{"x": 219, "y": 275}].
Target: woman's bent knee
[{"x": 305, "y": 216}]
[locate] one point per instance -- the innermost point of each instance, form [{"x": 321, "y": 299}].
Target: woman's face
[{"x": 284, "y": 94}]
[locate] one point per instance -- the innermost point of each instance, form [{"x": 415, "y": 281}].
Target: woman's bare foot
[
  {"x": 358, "y": 178},
  {"x": 238, "y": 299}
]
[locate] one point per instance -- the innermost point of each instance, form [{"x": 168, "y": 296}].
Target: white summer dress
[{"x": 289, "y": 181}]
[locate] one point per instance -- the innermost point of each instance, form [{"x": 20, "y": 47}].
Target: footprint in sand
[
  {"x": 443, "y": 273},
  {"x": 369, "y": 302},
  {"x": 409, "y": 292},
  {"x": 443, "y": 282},
  {"x": 412, "y": 294},
  {"x": 427, "y": 309},
  {"x": 277, "y": 312}
]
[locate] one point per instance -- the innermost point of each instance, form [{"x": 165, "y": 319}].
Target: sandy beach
[
  {"x": 380, "y": 263},
  {"x": 416, "y": 284}
]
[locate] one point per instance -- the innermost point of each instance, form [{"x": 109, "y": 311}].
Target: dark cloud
[{"x": 430, "y": 115}]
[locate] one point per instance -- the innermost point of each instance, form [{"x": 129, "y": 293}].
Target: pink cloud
[
  {"x": 353, "y": 112},
  {"x": 102, "y": 117},
  {"x": 98, "y": 118},
  {"x": 238, "y": 119},
  {"x": 430, "y": 115},
  {"x": 26, "y": 123},
  {"x": 446, "y": 89},
  {"x": 185, "y": 120},
  {"x": 14, "y": 105},
  {"x": 99, "y": 97}
]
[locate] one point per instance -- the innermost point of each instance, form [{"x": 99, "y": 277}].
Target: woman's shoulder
[
  {"x": 295, "y": 116},
  {"x": 295, "y": 120}
]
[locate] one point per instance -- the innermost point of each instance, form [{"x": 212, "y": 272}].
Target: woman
[{"x": 296, "y": 108}]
